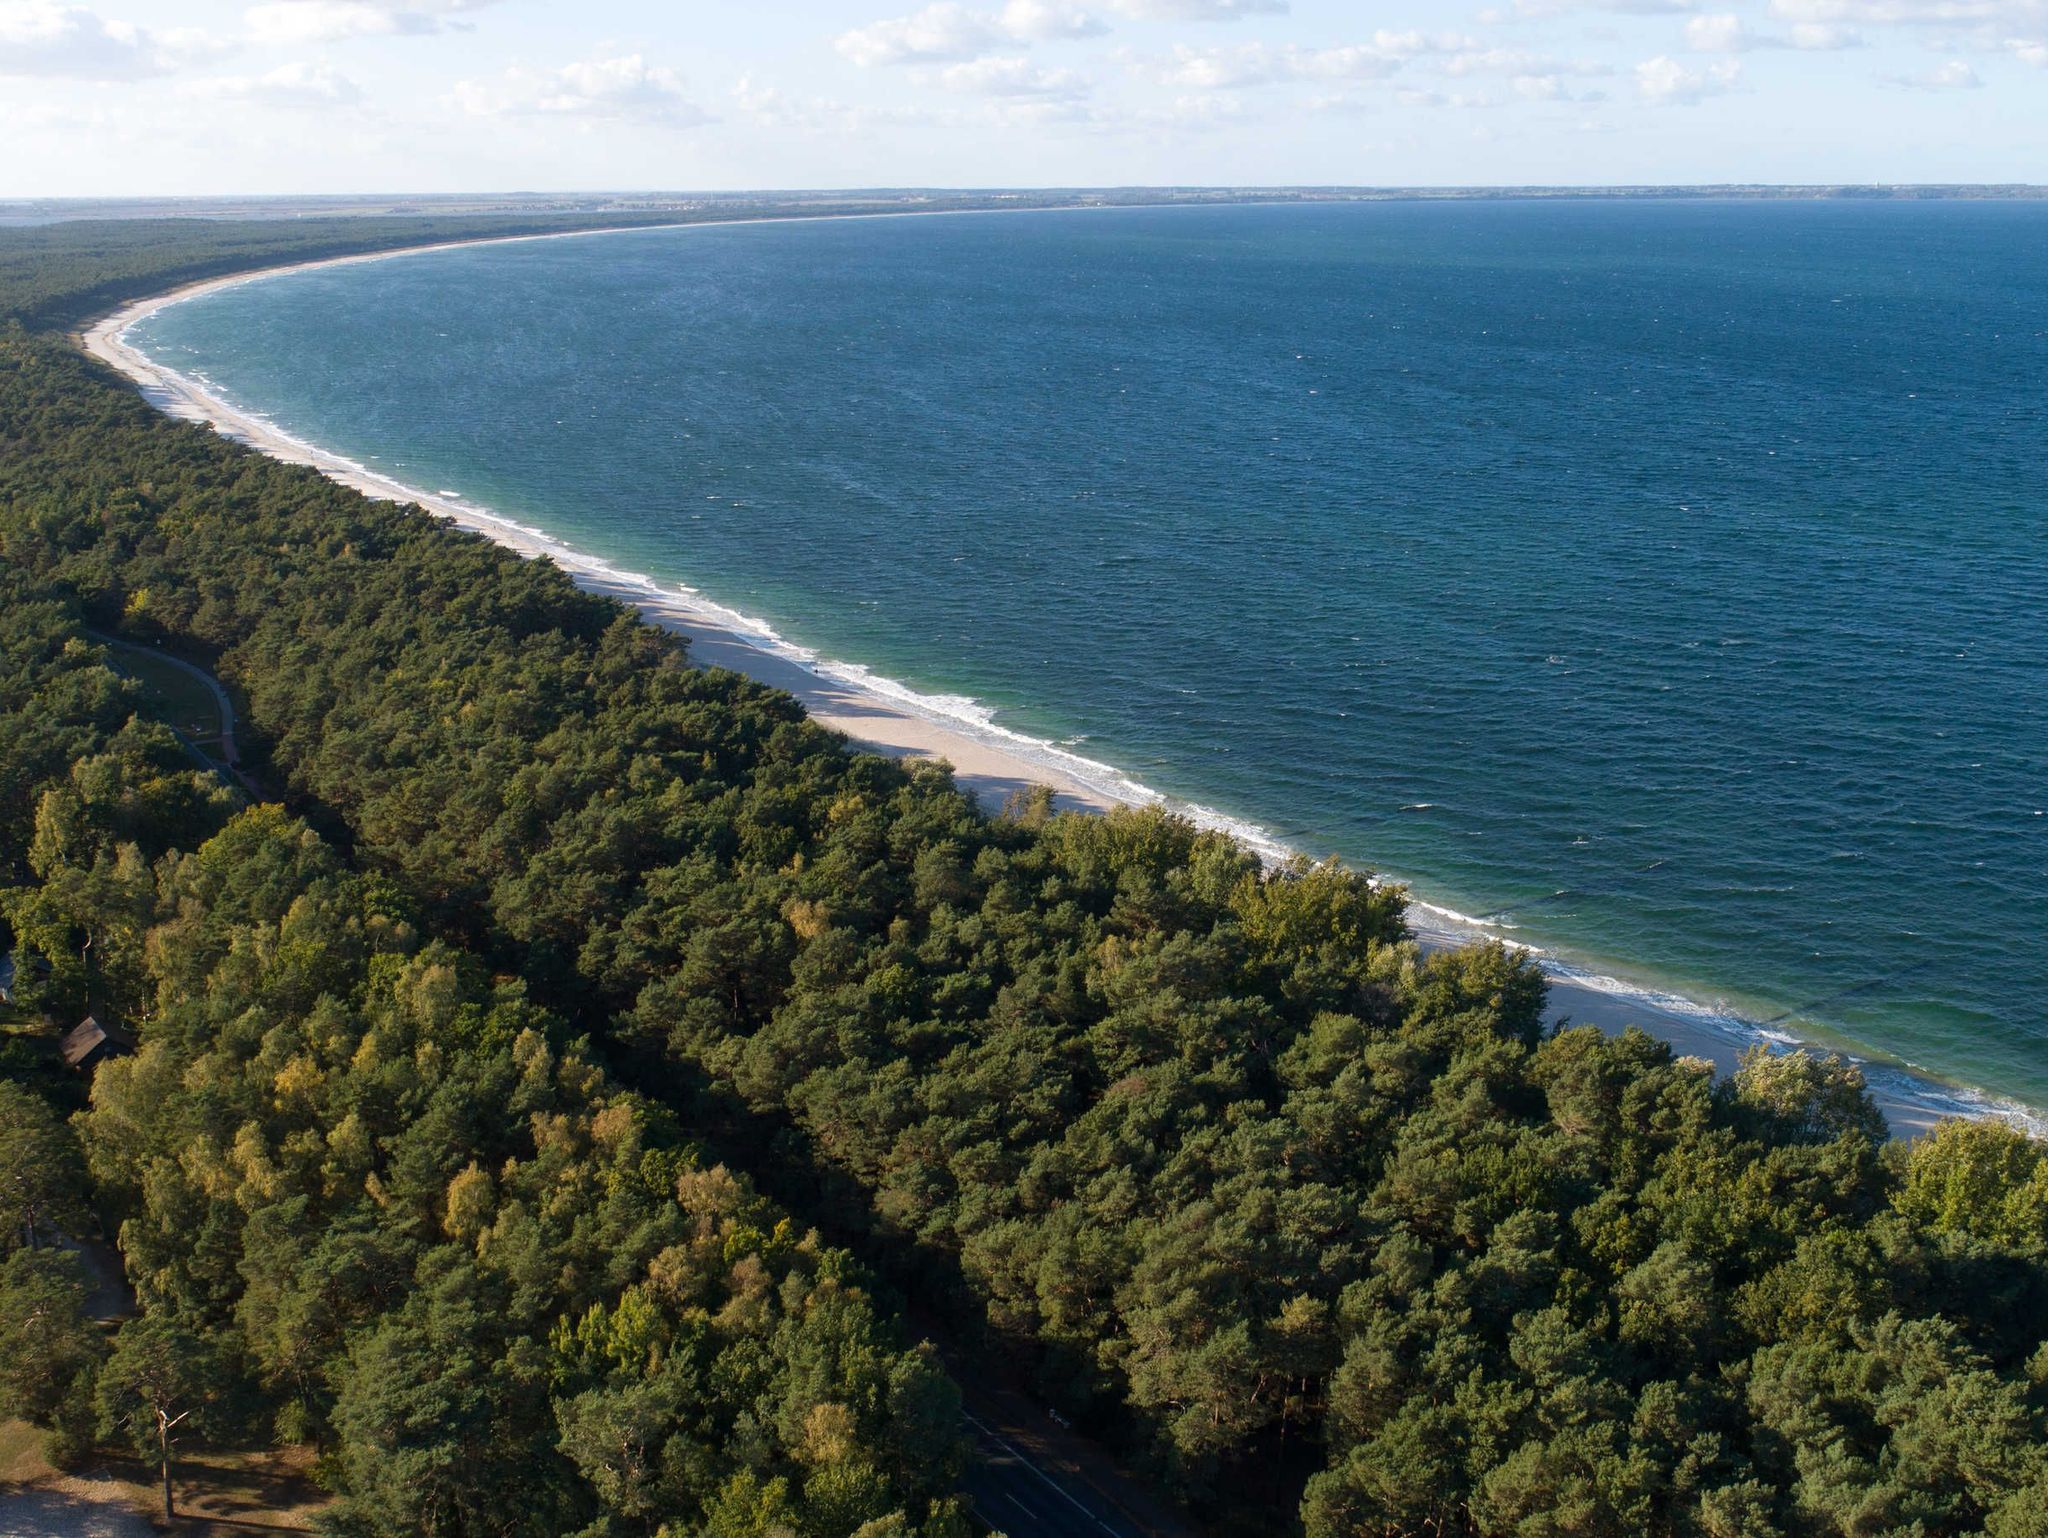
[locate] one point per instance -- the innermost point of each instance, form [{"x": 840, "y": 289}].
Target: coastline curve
[{"x": 885, "y": 716}]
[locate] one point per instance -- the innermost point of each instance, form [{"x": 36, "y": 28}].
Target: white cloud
[
  {"x": 1540, "y": 10},
  {"x": 1824, "y": 35},
  {"x": 1011, "y": 75},
  {"x": 1511, "y": 61},
  {"x": 1551, "y": 88},
  {"x": 624, "y": 88},
  {"x": 1356, "y": 61},
  {"x": 289, "y": 85},
  {"x": 1458, "y": 100},
  {"x": 1954, "y": 75},
  {"x": 82, "y": 114},
  {"x": 1343, "y": 103},
  {"x": 772, "y": 108},
  {"x": 1044, "y": 21},
  {"x": 1214, "y": 69},
  {"x": 1196, "y": 112},
  {"x": 1725, "y": 32},
  {"x": 1876, "y": 11},
  {"x": 1669, "y": 83},
  {"x": 293, "y": 23},
  {"x": 1413, "y": 44},
  {"x": 1197, "y": 10},
  {"x": 1722, "y": 33},
  {"x": 1018, "y": 114},
  {"x": 1258, "y": 63},
  {"x": 43, "y": 38},
  {"x": 1978, "y": 15},
  {"x": 2032, "y": 51},
  {"x": 948, "y": 30},
  {"x": 938, "y": 32}
]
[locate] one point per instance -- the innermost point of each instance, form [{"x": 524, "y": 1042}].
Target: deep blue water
[{"x": 1665, "y": 580}]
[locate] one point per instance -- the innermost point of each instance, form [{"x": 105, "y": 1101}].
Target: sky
[{"x": 207, "y": 97}]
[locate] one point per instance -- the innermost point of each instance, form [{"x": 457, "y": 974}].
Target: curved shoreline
[{"x": 892, "y": 719}]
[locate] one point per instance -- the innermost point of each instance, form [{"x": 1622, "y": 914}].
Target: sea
[{"x": 1660, "y": 585}]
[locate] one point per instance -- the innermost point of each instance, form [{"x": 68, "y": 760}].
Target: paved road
[
  {"x": 1033, "y": 1476},
  {"x": 229, "y": 753},
  {"x": 230, "y": 756},
  {"x": 1017, "y": 1496}
]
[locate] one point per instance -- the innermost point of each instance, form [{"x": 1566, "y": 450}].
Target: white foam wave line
[
  {"x": 969, "y": 717},
  {"x": 1910, "y": 1082}
]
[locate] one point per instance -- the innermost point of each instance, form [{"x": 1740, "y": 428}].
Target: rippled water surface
[{"x": 1664, "y": 580}]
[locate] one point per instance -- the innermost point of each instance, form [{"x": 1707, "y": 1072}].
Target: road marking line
[{"x": 1064, "y": 1493}]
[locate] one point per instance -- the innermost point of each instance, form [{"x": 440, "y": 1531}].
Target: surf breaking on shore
[{"x": 988, "y": 759}]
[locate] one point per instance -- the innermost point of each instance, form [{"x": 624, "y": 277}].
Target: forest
[{"x": 554, "y": 1089}]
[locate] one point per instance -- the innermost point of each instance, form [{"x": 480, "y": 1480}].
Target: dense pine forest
[{"x": 553, "y": 1077}]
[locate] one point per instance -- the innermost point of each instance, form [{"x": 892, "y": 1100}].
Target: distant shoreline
[
  {"x": 994, "y": 764},
  {"x": 599, "y": 202}
]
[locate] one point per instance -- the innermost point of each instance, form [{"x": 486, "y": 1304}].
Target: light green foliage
[
  {"x": 1979, "y": 1178},
  {"x": 1806, "y": 1096}
]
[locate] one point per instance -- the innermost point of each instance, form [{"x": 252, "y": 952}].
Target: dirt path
[{"x": 109, "y": 1296}]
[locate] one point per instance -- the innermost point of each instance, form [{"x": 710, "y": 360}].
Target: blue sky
[{"x": 281, "y": 96}]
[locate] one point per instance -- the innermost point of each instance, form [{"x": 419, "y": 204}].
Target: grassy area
[
  {"x": 174, "y": 695},
  {"x": 21, "y": 1453}
]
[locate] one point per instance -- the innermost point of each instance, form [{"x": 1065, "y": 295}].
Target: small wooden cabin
[{"x": 91, "y": 1042}]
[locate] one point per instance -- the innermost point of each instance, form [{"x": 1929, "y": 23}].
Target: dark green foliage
[
  {"x": 42, "y": 1183},
  {"x": 49, "y": 1347},
  {"x": 161, "y": 1385},
  {"x": 1218, "y": 1152}
]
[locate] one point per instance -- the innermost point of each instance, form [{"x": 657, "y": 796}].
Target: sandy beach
[
  {"x": 987, "y": 760},
  {"x": 717, "y": 639}
]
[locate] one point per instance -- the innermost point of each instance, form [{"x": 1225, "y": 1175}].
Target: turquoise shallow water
[{"x": 1663, "y": 581}]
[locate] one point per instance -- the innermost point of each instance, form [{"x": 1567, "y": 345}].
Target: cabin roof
[{"x": 89, "y": 1034}]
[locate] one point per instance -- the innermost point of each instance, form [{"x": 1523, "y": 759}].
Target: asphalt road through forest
[
  {"x": 1013, "y": 1494},
  {"x": 1033, "y": 1478}
]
